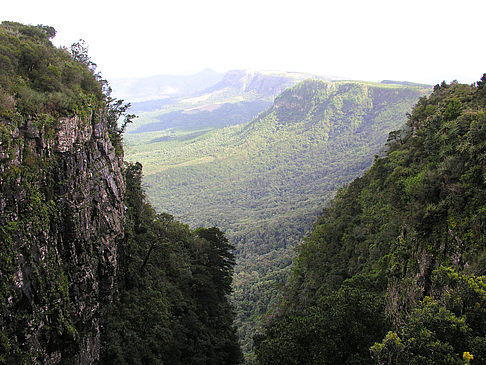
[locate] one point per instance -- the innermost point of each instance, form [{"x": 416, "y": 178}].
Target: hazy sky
[{"x": 416, "y": 40}]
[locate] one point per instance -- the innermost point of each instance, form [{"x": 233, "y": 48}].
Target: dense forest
[
  {"x": 89, "y": 273},
  {"x": 264, "y": 182},
  {"x": 393, "y": 271},
  {"x": 171, "y": 306}
]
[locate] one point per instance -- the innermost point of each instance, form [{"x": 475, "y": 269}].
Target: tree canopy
[
  {"x": 173, "y": 285},
  {"x": 408, "y": 237}
]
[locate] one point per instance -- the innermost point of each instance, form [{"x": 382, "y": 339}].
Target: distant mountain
[
  {"x": 264, "y": 83},
  {"x": 237, "y": 97},
  {"x": 264, "y": 182},
  {"x": 163, "y": 86}
]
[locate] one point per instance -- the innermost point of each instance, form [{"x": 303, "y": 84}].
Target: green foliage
[
  {"x": 116, "y": 113},
  {"x": 337, "y": 329},
  {"x": 40, "y": 77},
  {"x": 442, "y": 326},
  {"x": 173, "y": 284},
  {"x": 265, "y": 182},
  {"x": 419, "y": 208}
]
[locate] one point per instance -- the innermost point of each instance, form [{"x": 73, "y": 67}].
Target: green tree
[
  {"x": 338, "y": 329},
  {"x": 173, "y": 283},
  {"x": 443, "y": 326}
]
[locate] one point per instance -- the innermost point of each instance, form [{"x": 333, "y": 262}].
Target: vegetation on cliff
[
  {"x": 37, "y": 78},
  {"x": 393, "y": 271},
  {"x": 56, "y": 161}
]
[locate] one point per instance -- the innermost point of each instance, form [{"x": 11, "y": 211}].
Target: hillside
[
  {"x": 236, "y": 98},
  {"x": 264, "y": 182},
  {"x": 393, "y": 271},
  {"x": 89, "y": 273}
]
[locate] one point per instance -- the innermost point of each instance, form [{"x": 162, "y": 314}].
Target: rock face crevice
[{"x": 62, "y": 215}]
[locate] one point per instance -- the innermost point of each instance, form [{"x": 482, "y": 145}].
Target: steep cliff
[
  {"x": 61, "y": 203},
  {"x": 65, "y": 219}
]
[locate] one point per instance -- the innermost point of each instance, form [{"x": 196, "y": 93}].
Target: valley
[
  {"x": 265, "y": 181},
  {"x": 246, "y": 217}
]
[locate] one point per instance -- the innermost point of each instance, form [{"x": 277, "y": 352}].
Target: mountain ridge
[{"x": 236, "y": 90}]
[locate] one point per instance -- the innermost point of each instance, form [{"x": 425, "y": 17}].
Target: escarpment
[
  {"x": 61, "y": 199},
  {"x": 61, "y": 215}
]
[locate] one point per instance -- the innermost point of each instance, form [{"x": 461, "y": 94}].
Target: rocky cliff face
[{"x": 61, "y": 216}]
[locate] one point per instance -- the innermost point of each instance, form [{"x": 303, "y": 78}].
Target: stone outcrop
[{"x": 61, "y": 216}]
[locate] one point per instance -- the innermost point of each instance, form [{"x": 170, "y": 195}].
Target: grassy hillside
[{"x": 265, "y": 182}]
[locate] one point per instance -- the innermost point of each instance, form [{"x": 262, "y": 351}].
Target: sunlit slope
[{"x": 287, "y": 161}]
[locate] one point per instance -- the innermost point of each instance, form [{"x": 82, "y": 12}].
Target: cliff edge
[{"x": 61, "y": 202}]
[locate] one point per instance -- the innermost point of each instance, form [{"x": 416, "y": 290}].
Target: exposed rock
[{"x": 61, "y": 203}]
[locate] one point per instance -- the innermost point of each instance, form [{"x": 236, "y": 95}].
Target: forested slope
[
  {"x": 265, "y": 182},
  {"x": 172, "y": 291},
  {"x": 392, "y": 272}
]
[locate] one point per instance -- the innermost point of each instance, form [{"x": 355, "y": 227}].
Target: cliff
[
  {"x": 61, "y": 202},
  {"x": 60, "y": 224}
]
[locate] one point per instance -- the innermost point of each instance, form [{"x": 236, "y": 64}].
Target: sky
[{"x": 424, "y": 41}]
